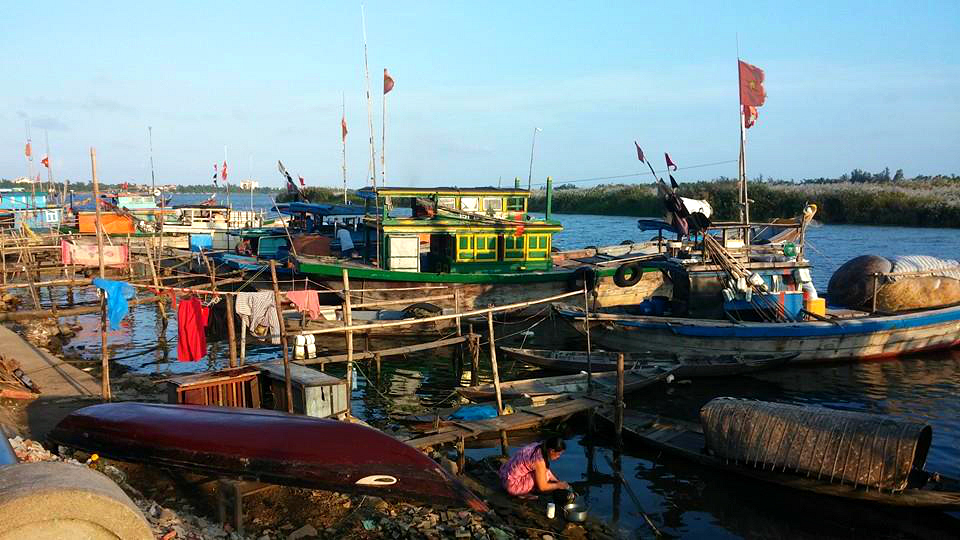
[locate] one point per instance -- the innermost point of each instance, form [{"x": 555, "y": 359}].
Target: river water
[{"x": 683, "y": 499}]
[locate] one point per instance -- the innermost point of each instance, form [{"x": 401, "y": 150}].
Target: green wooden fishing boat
[{"x": 480, "y": 241}]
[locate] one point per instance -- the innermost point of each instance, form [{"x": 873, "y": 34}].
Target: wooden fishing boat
[
  {"x": 687, "y": 440},
  {"x": 842, "y": 334},
  {"x": 635, "y": 378},
  {"x": 716, "y": 365},
  {"x": 479, "y": 241},
  {"x": 268, "y": 446}
]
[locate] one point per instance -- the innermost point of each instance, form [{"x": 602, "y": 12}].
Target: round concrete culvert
[{"x": 54, "y": 501}]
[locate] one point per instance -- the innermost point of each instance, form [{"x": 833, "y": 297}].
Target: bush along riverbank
[{"x": 879, "y": 200}]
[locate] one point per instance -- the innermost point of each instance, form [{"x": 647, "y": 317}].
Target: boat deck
[{"x": 522, "y": 418}]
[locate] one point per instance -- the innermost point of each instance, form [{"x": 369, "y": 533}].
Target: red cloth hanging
[{"x": 191, "y": 325}]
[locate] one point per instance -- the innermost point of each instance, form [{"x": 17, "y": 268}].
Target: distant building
[{"x": 23, "y": 180}]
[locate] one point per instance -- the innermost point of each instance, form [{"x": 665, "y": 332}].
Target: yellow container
[{"x": 817, "y": 306}]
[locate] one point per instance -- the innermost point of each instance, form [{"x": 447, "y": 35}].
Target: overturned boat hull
[
  {"x": 262, "y": 445},
  {"x": 548, "y": 387}
]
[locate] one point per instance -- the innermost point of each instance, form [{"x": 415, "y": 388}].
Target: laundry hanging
[
  {"x": 191, "y": 326},
  {"x": 118, "y": 292},
  {"x": 258, "y": 312},
  {"x": 306, "y": 302}
]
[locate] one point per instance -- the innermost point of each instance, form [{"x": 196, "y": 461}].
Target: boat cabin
[
  {"x": 459, "y": 230},
  {"x": 19, "y": 208}
]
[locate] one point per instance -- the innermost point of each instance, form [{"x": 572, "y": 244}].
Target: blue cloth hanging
[{"x": 118, "y": 292}]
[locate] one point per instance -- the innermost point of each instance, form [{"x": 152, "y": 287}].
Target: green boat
[{"x": 479, "y": 241}]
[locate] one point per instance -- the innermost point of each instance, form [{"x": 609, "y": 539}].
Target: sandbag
[{"x": 936, "y": 283}]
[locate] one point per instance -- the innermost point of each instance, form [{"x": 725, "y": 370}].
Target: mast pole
[
  {"x": 343, "y": 142},
  {"x": 226, "y": 179},
  {"x": 33, "y": 185},
  {"x": 50, "y": 184},
  {"x": 153, "y": 176},
  {"x": 366, "y": 69},
  {"x": 383, "y": 133}
]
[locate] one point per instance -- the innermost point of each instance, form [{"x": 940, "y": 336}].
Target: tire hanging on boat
[{"x": 635, "y": 272}]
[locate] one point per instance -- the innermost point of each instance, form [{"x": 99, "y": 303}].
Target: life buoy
[{"x": 633, "y": 270}]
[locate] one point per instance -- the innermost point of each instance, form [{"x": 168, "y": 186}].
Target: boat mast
[
  {"x": 29, "y": 156},
  {"x": 343, "y": 141},
  {"x": 153, "y": 177},
  {"x": 742, "y": 172},
  {"x": 50, "y": 184},
  {"x": 366, "y": 69}
]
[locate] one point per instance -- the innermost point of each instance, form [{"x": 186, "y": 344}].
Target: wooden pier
[{"x": 522, "y": 418}]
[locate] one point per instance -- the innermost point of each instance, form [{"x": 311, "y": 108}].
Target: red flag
[
  {"x": 223, "y": 171},
  {"x": 750, "y": 116},
  {"x": 343, "y": 127},
  {"x": 302, "y": 183},
  {"x": 670, "y": 162},
  {"x": 26, "y": 149},
  {"x": 639, "y": 151},
  {"x": 751, "y": 85},
  {"x": 45, "y": 161},
  {"x": 387, "y": 82}
]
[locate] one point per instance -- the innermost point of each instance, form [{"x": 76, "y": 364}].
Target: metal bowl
[{"x": 576, "y": 512}]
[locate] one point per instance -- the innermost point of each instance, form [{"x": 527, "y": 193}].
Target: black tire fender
[{"x": 633, "y": 270}]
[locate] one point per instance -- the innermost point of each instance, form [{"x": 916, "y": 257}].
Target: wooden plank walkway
[{"x": 522, "y": 418}]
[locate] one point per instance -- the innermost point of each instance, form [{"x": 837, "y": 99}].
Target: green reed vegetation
[
  {"x": 857, "y": 198},
  {"x": 322, "y": 195}
]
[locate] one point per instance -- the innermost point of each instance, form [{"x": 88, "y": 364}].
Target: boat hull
[
  {"x": 861, "y": 338},
  {"x": 479, "y": 290},
  {"x": 263, "y": 445},
  {"x": 604, "y": 361}
]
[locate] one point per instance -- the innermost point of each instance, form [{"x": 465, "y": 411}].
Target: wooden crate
[
  {"x": 232, "y": 387},
  {"x": 314, "y": 393}
]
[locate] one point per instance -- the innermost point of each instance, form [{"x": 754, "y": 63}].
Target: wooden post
[
  {"x": 156, "y": 283},
  {"x": 104, "y": 353},
  {"x": 586, "y": 328},
  {"x": 348, "y": 322},
  {"x": 231, "y": 331},
  {"x": 3, "y": 255},
  {"x": 458, "y": 355},
  {"x": 474, "y": 345},
  {"x": 376, "y": 359},
  {"x": 283, "y": 336},
  {"x": 461, "y": 455},
  {"x": 504, "y": 445},
  {"x": 618, "y": 419}
]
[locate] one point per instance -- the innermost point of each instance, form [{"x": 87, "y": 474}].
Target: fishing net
[
  {"x": 862, "y": 449},
  {"x": 913, "y": 282}
]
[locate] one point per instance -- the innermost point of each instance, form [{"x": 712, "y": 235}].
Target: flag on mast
[
  {"x": 216, "y": 174},
  {"x": 639, "y": 151},
  {"x": 751, "y": 85},
  {"x": 343, "y": 128},
  {"x": 670, "y": 162},
  {"x": 387, "y": 82},
  {"x": 750, "y": 116},
  {"x": 45, "y": 161},
  {"x": 223, "y": 171},
  {"x": 302, "y": 183},
  {"x": 26, "y": 149}
]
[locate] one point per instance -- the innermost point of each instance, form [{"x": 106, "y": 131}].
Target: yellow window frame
[
  {"x": 482, "y": 253},
  {"x": 546, "y": 250},
  {"x": 507, "y": 249},
  {"x": 471, "y": 249}
]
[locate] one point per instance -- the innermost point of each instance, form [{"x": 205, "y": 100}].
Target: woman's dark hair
[{"x": 553, "y": 443}]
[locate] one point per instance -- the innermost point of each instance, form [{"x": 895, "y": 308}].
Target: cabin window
[
  {"x": 486, "y": 247},
  {"x": 448, "y": 202},
  {"x": 469, "y": 204},
  {"x": 492, "y": 204},
  {"x": 465, "y": 251},
  {"x": 538, "y": 246},
  {"x": 513, "y": 247},
  {"x": 515, "y": 204}
]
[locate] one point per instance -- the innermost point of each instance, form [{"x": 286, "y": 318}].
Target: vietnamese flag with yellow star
[{"x": 752, "y": 93}]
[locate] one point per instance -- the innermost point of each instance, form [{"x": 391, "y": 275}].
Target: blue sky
[{"x": 850, "y": 85}]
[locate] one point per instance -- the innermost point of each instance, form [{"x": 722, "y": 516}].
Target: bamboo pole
[
  {"x": 504, "y": 444},
  {"x": 3, "y": 256},
  {"x": 390, "y": 324},
  {"x": 104, "y": 353},
  {"x": 156, "y": 282},
  {"x": 283, "y": 336},
  {"x": 618, "y": 418},
  {"x": 474, "y": 346},
  {"x": 347, "y": 323},
  {"x": 458, "y": 358},
  {"x": 231, "y": 331},
  {"x": 586, "y": 328}
]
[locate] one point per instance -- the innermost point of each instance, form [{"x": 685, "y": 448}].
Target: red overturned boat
[{"x": 263, "y": 445}]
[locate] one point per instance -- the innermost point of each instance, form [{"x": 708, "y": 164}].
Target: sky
[{"x": 856, "y": 84}]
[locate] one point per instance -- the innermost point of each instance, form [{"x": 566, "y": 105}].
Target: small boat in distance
[
  {"x": 717, "y": 365},
  {"x": 269, "y": 446},
  {"x": 544, "y": 388}
]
